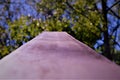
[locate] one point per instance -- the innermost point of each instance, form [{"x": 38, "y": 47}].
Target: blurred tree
[
  {"x": 74, "y": 17},
  {"x": 23, "y": 30},
  {"x": 87, "y": 20},
  {"x": 3, "y": 37},
  {"x": 109, "y": 30},
  {"x": 11, "y": 10}
]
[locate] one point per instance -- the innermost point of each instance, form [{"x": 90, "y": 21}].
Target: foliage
[
  {"x": 81, "y": 23},
  {"x": 22, "y": 30},
  {"x": 3, "y": 49},
  {"x": 80, "y": 18}
]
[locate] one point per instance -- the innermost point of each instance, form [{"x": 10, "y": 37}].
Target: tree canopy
[{"x": 89, "y": 21}]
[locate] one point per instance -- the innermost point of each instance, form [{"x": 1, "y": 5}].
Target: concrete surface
[{"x": 57, "y": 56}]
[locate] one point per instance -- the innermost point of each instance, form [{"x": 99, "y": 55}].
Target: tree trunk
[{"x": 107, "y": 50}]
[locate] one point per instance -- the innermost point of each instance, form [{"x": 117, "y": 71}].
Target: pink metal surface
[{"x": 57, "y": 55}]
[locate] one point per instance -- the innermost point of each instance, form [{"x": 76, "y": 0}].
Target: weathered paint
[{"x": 57, "y": 55}]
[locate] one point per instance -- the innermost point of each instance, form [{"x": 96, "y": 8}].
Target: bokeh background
[{"x": 93, "y": 22}]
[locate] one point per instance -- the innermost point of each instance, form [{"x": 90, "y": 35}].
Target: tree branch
[
  {"x": 114, "y": 13},
  {"x": 115, "y": 29},
  {"x": 109, "y": 8},
  {"x": 117, "y": 44},
  {"x": 71, "y": 7}
]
